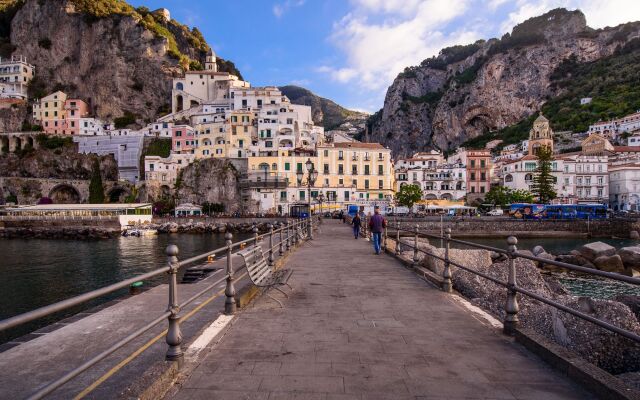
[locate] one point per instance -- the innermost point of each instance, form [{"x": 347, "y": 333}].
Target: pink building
[
  {"x": 183, "y": 139},
  {"x": 74, "y": 110}
]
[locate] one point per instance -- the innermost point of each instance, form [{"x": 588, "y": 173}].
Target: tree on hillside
[
  {"x": 409, "y": 195},
  {"x": 543, "y": 181},
  {"x": 96, "y": 190}
]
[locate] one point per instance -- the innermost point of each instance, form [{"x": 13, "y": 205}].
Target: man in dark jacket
[
  {"x": 356, "y": 222},
  {"x": 377, "y": 223}
]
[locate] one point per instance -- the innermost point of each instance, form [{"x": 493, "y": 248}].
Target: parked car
[{"x": 496, "y": 212}]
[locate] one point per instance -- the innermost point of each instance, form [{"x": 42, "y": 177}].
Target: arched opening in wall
[
  {"x": 179, "y": 86},
  {"x": 286, "y": 143},
  {"x": 508, "y": 178},
  {"x": 482, "y": 123},
  {"x": 430, "y": 196},
  {"x": 64, "y": 194},
  {"x": 206, "y": 142},
  {"x": 193, "y": 103},
  {"x": 446, "y": 196},
  {"x": 118, "y": 194},
  {"x": 165, "y": 192},
  {"x": 4, "y": 145},
  {"x": 18, "y": 144},
  {"x": 179, "y": 103},
  {"x": 528, "y": 178},
  {"x": 30, "y": 141}
]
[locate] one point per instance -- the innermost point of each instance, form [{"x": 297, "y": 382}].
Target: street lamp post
[
  {"x": 312, "y": 175},
  {"x": 320, "y": 201}
]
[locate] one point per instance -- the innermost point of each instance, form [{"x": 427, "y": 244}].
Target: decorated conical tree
[
  {"x": 543, "y": 180},
  {"x": 96, "y": 190}
]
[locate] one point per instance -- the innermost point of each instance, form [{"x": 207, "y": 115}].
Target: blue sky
[{"x": 350, "y": 50}]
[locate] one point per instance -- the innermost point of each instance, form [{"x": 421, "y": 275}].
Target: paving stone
[{"x": 359, "y": 326}]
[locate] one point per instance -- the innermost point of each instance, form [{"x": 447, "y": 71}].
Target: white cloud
[
  {"x": 280, "y": 8},
  {"x": 379, "y": 38}
]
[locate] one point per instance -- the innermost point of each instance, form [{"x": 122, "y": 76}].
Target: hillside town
[{"x": 270, "y": 141}]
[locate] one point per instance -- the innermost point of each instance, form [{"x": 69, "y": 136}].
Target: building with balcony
[
  {"x": 437, "y": 179},
  {"x": 479, "y": 171},
  {"x": 49, "y": 112},
  {"x": 624, "y": 185},
  {"x": 15, "y": 75}
]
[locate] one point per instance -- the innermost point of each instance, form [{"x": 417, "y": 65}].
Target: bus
[
  {"x": 299, "y": 210},
  {"x": 558, "y": 211}
]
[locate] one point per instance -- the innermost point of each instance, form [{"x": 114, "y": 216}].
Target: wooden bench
[{"x": 261, "y": 274}]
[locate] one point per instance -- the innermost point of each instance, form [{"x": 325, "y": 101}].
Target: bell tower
[
  {"x": 540, "y": 135},
  {"x": 210, "y": 61}
]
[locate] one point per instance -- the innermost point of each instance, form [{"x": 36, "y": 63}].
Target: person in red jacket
[{"x": 377, "y": 223}]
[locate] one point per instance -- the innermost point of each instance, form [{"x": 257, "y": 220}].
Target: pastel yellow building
[{"x": 49, "y": 111}]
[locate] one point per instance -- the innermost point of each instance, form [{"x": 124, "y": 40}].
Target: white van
[{"x": 496, "y": 212}]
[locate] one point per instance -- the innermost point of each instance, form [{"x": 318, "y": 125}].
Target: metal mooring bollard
[
  {"x": 230, "y": 289},
  {"x": 511, "y": 307},
  {"x": 174, "y": 335},
  {"x": 255, "y": 233},
  {"x": 446, "y": 273}
]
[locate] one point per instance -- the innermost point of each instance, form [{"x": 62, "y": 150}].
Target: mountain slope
[
  {"x": 325, "y": 112},
  {"x": 117, "y": 58},
  {"x": 470, "y": 90}
]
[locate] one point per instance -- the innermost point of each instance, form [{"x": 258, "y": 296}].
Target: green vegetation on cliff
[
  {"x": 611, "y": 82},
  {"x": 155, "y": 22},
  {"x": 8, "y": 9}
]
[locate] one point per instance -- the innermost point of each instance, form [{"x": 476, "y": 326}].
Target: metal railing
[
  {"x": 511, "y": 321},
  {"x": 287, "y": 234}
]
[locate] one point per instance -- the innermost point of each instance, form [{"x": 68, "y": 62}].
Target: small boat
[{"x": 139, "y": 232}]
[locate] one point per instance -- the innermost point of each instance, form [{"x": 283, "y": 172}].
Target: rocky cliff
[
  {"x": 467, "y": 91},
  {"x": 325, "y": 112},
  {"x": 117, "y": 58},
  {"x": 211, "y": 180}
]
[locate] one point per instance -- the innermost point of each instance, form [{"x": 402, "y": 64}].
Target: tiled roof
[
  {"x": 358, "y": 145},
  {"x": 626, "y": 149}
]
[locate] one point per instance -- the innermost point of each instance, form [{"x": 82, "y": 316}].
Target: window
[
  {"x": 366, "y": 170},
  {"x": 326, "y": 153},
  {"x": 283, "y": 195},
  {"x": 481, "y": 189},
  {"x": 473, "y": 163},
  {"x": 473, "y": 176},
  {"x": 473, "y": 189},
  {"x": 299, "y": 166},
  {"x": 354, "y": 170},
  {"x": 599, "y": 180},
  {"x": 340, "y": 155},
  {"x": 178, "y": 133},
  {"x": 380, "y": 169},
  {"x": 340, "y": 169},
  {"x": 287, "y": 166},
  {"x": 366, "y": 184},
  {"x": 483, "y": 176},
  {"x": 346, "y": 195},
  {"x": 482, "y": 163},
  {"x": 380, "y": 184},
  {"x": 302, "y": 195},
  {"x": 326, "y": 169}
]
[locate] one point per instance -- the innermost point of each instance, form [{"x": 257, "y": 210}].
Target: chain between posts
[
  {"x": 511, "y": 307},
  {"x": 174, "y": 335}
]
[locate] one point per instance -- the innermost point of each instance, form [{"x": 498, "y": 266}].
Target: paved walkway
[{"x": 360, "y": 326}]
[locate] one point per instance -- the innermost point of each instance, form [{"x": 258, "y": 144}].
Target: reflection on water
[{"x": 38, "y": 272}]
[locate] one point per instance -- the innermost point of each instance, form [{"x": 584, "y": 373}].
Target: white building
[
  {"x": 437, "y": 179},
  {"x": 160, "y": 171},
  {"x": 91, "y": 127},
  {"x": 15, "y": 75},
  {"x": 126, "y": 149},
  {"x": 624, "y": 186}
]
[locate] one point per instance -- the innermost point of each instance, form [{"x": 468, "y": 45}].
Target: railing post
[
  {"x": 230, "y": 289},
  {"x": 174, "y": 335},
  {"x": 384, "y": 240},
  {"x": 270, "y": 228},
  {"x": 310, "y": 223},
  {"x": 255, "y": 233},
  {"x": 415, "y": 246},
  {"x": 288, "y": 228},
  {"x": 511, "y": 307},
  {"x": 281, "y": 248},
  {"x": 446, "y": 273},
  {"x": 398, "y": 240}
]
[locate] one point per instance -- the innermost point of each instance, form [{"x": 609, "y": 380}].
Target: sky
[{"x": 351, "y": 50}]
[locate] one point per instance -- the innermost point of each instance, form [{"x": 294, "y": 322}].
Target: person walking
[
  {"x": 342, "y": 218},
  {"x": 357, "y": 223},
  {"x": 377, "y": 223}
]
